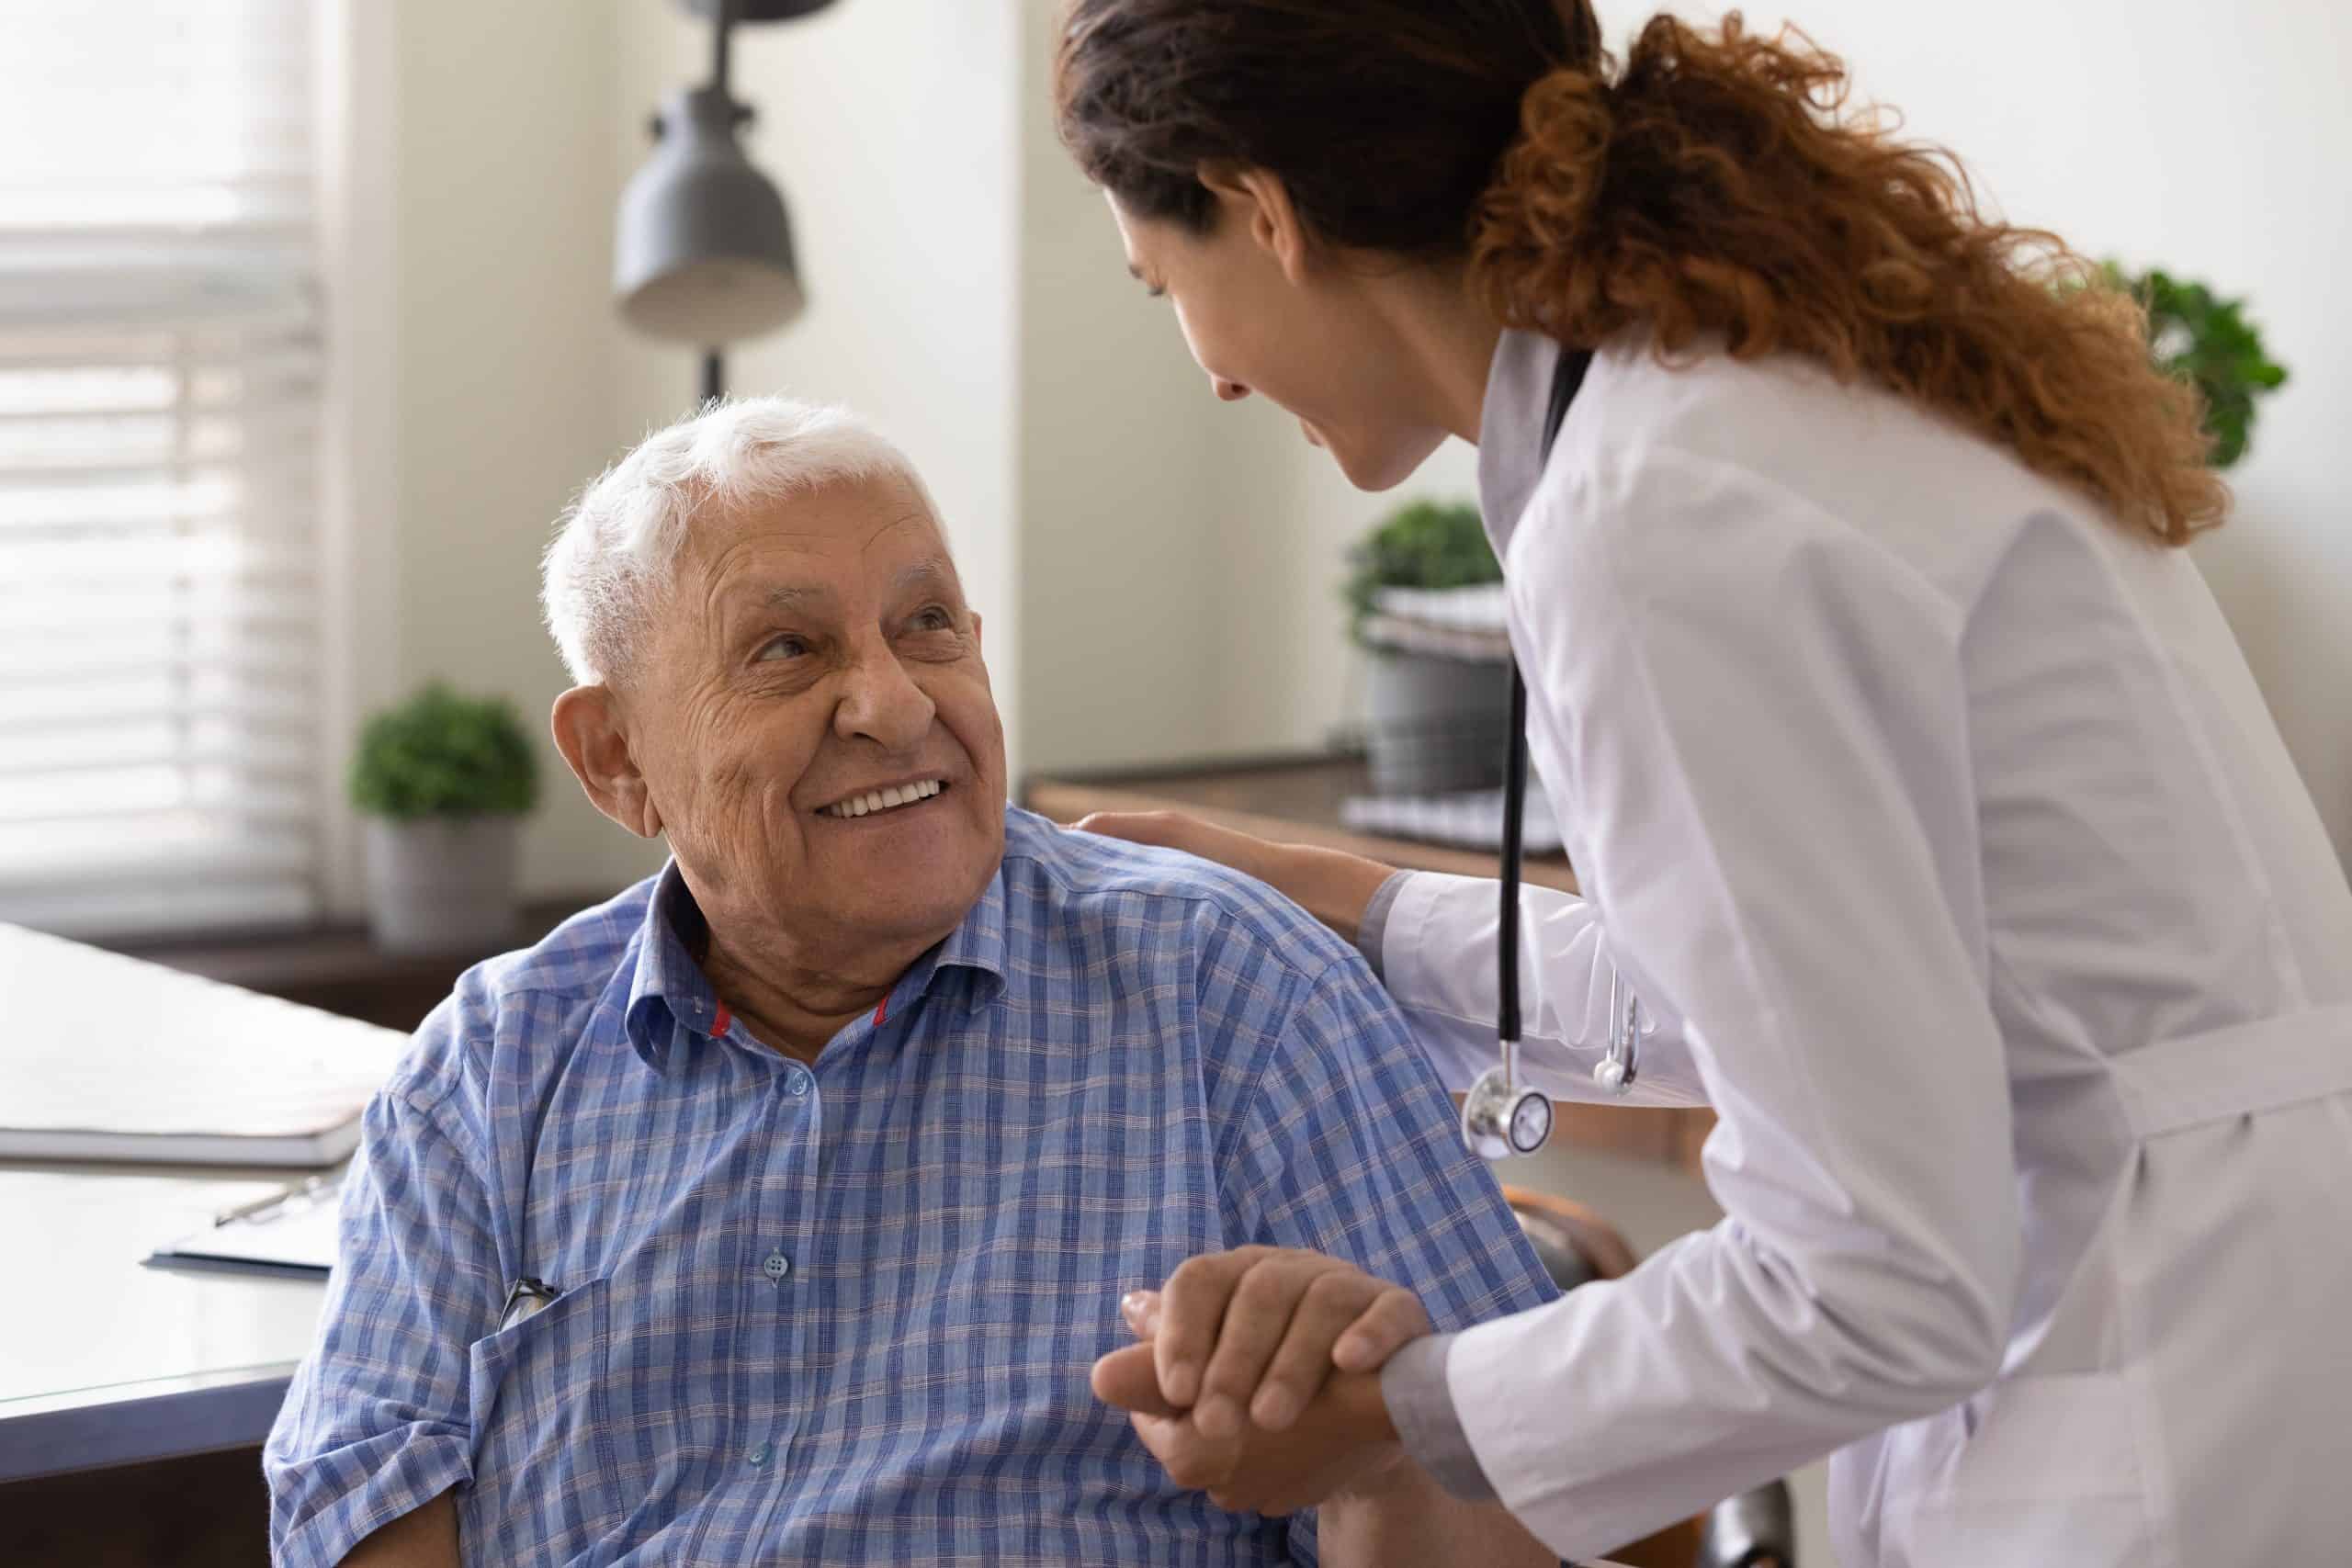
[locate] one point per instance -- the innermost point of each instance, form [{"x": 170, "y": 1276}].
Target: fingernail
[{"x": 1218, "y": 1416}]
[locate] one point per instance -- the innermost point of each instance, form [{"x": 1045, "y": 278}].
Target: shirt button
[
  {"x": 796, "y": 1083},
  {"x": 758, "y": 1456},
  {"x": 775, "y": 1266}
]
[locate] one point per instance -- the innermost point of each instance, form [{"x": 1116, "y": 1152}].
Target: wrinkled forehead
[{"x": 840, "y": 536}]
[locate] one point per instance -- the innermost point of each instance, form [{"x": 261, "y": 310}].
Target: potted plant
[
  {"x": 442, "y": 780},
  {"x": 2207, "y": 340},
  {"x": 1438, "y": 708}
]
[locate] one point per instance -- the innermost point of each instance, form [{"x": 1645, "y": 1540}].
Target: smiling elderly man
[{"x": 762, "y": 1214}]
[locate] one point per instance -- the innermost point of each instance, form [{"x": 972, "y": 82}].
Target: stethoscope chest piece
[{"x": 1501, "y": 1118}]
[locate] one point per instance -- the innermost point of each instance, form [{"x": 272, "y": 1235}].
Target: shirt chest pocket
[
  {"x": 544, "y": 1473},
  {"x": 607, "y": 1411}
]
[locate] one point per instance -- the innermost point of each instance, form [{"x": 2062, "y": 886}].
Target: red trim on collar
[
  {"x": 721, "y": 1021},
  {"x": 882, "y": 1012}
]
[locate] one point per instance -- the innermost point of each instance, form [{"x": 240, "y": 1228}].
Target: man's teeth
[{"x": 884, "y": 799}]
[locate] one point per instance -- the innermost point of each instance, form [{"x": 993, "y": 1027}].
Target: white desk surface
[{"x": 104, "y": 1360}]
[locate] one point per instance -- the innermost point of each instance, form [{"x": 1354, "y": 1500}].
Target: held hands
[{"x": 1256, "y": 1377}]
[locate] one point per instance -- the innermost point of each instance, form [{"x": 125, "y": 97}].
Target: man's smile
[{"x": 886, "y": 798}]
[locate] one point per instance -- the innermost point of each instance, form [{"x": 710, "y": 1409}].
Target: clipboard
[{"x": 290, "y": 1236}]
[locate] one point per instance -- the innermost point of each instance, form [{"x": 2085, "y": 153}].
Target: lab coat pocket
[
  {"x": 2051, "y": 1466},
  {"x": 542, "y": 1459}
]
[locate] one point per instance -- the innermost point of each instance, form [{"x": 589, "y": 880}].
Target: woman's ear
[
  {"x": 590, "y": 733},
  {"x": 1260, "y": 202}
]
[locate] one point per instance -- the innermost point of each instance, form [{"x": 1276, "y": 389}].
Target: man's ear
[
  {"x": 589, "y": 733},
  {"x": 1260, "y": 202},
  {"x": 975, "y": 631}
]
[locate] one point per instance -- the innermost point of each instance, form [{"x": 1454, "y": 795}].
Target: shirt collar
[
  {"x": 667, "y": 986},
  {"x": 1511, "y": 431}
]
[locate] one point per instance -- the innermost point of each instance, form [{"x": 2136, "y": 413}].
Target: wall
[
  {"x": 2212, "y": 142},
  {"x": 503, "y": 352},
  {"x": 1123, "y": 472},
  {"x": 890, "y": 125}
]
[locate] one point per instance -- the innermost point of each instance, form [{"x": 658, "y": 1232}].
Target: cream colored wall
[
  {"x": 503, "y": 187},
  {"x": 1122, "y": 477}
]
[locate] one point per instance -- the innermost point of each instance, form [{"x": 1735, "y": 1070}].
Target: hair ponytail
[{"x": 1716, "y": 189}]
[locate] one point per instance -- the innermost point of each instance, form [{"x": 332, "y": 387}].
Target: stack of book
[{"x": 111, "y": 1058}]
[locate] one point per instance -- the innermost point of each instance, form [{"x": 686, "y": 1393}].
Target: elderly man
[{"x": 762, "y": 1214}]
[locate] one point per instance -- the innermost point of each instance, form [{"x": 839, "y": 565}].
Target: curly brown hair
[{"x": 1718, "y": 187}]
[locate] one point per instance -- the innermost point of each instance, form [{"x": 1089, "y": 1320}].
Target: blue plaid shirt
[{"x": 845, "y": 1313}]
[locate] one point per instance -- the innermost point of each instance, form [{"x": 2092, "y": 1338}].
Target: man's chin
[{"x": 906, "y": 878}]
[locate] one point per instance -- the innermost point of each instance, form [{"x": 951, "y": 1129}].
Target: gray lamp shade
[{"x": 703, "y": 254}]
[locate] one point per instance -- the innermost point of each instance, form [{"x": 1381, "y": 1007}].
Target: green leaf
[
  {"x": 2208, "y": 340},
  {"x": 1425, "y": 544},
  {"x": 440, "y": 754}
]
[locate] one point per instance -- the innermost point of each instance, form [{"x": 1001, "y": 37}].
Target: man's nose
[
  {"x": 1231, "y": 391},
  {"x": 882, "y": 704}
]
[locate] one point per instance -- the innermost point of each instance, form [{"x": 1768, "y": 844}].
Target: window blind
[{"x": 160, "y": 373}]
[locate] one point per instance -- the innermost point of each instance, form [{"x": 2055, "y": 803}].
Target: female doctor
[{"x": 1915, "y": 784}]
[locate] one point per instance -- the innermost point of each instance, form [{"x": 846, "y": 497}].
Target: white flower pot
[{"x": 442, "y": 884}]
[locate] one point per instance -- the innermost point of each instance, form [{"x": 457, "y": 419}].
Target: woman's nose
[{"x": 1231, "y": 391}]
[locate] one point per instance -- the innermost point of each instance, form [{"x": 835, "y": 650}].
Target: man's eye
[
  {"x": 935, "y": 619},
  {"x": 783, "y": 648}
]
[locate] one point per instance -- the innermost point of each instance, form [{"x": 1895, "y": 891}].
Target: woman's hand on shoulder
[{"x": 1331, "y": 885}]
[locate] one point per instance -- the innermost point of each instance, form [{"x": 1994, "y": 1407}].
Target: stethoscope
[{"x": 1501, "y": 1118}]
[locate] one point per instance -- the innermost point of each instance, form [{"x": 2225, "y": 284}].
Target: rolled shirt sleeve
[{"x": 376, "y": 1423}]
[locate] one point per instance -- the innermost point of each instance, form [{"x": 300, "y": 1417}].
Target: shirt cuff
[
  {"x": 1373, "y": 930},
  {"x": 1421, "y": 1407}
]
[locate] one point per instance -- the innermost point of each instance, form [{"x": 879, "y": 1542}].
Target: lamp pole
[{"x": 722, "y": 29}]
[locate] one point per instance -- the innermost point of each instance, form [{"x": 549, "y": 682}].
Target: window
[{"x": 161, "y": 383}]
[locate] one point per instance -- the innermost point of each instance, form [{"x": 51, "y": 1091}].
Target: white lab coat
[{"x": 1940, "y": 823}]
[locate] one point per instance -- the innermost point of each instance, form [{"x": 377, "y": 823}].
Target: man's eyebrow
[
  {"x": 931, "y": 569},
  {"x": 792, "y": 596}
]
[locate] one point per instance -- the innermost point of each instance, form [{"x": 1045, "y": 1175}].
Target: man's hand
[
  {"x": 1259, "y": 1330},
  {"x": 1341, "y": 1445},
  {"x": 1338, "y": 1452}
]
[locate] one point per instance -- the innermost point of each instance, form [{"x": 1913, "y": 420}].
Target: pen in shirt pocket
[{"x": 528, "y": 1294}]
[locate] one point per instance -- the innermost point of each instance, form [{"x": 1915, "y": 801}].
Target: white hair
[{"x": 615, "y": 548}]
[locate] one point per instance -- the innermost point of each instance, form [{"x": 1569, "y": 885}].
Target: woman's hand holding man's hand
[{"x": 1255, "y": 1377}]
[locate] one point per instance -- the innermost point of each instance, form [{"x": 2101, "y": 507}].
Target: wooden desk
[{"x": 1297, "y": 800}]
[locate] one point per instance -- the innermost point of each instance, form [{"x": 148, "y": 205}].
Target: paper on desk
[{"x": 297, "y": 1237}]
